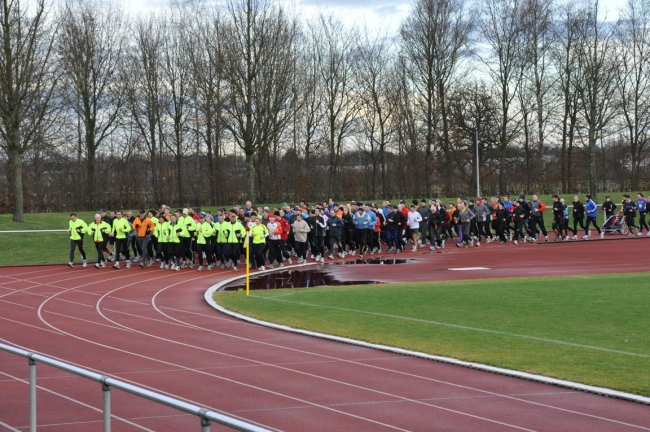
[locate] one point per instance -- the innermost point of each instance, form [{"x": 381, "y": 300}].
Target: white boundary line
[{"x": 508, "y": 372}]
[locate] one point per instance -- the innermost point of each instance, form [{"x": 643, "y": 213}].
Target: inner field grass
[{"x": 606, "y": 314}]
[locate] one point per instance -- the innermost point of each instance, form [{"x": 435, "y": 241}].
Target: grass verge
[{"x": 591, "y": 330}]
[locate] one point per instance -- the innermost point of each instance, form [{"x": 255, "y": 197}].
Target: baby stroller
[{"x": 615, "y": 223}]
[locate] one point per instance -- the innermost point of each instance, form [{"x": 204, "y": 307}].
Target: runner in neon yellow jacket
[
  {"x": 175, "y": 232},
  {"x": 204, "y": 231},
  {"x": 121, "y": 228},
  {"x": 77, "y": 228},
  {"x": 99, "y": 231}
]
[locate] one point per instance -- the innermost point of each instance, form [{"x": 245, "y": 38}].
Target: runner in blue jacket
[{"x": 591, "y": 209}]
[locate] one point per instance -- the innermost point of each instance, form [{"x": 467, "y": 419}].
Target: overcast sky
[{"x": 376, "y": 14}]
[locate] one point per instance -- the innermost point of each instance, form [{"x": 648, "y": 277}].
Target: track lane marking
[
  {"x": 77, "y": 402},
  {"x": 98, "y": 307},
  {"x": 458, "y": 326}
]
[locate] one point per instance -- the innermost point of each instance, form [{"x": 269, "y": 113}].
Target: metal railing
[{"x": 206, "y": 415}]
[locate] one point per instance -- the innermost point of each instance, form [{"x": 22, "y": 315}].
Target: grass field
[
  {"x": 592, "y": 330},
  {"x": 52, "y": 248}
]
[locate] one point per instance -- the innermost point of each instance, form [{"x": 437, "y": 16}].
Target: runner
[
  {"x": 592, "y": 212},
  {"x": 414, "y": 219},
  {"x": 537, "y": 218},
  {"x": 609, "y": 207},
  {"x": 143, "y": 227},
  {"x": 641, "y": 205},
  {"x": 335, "y": 229},
  {"x": 77, "y": 229},
  {"x": 465, "y": 216},
  {"x": 236, "y": 233},
  {"x": 629, "y": 209},
  {"x": 559, "y": 221},
  {"x": 99, "y": 232},
  {"x": 434, "y": 226},
  {"x": 363, "y": 225},
  {"x": 394, "y": 220},
  {"x": 204, "y": 231},
  {"x": 301, "y": 230},
  {"x": 500, "y": 221},
  {"x": 258, "y": 234},
  {"x": 120, "y": 231},
  {"x": 578, "y": 216}
]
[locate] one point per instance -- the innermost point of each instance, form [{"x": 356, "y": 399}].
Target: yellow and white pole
[{"x": 248, "y": 263}]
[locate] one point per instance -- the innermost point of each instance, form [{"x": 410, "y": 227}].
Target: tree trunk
[
  {"x": 179, "y": 183},
  {"x": 593, "y": 181},
  {"x": 211, "y": 173},
  {"x": 250, "y": 175},
  {"x": 17, "y": 183},
  {"x": 90, "y": 172}
]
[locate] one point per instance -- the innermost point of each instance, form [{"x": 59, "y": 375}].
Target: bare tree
[
  {"x": 633, "y": 80},
  {"x": 566, "y": 63},
  {"x": 144, "y": 91},
  {"x": 539, "y": 38},
  {"x": 91, "y": 47},
  {"x": 203, "y": 30},
  {"x": 596, "y": 84},
  {"x": 258, "y": 45},
  {"x": 377, "y": 81},
  {"x": 435, "y": 39},
  {"x": 335, "y": 46},
  {"x": 502, "y": 27},
  {"x": 27, "y": 81},
  {"x": 176, "y": 79}
]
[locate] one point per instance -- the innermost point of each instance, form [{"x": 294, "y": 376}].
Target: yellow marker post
[{"x": 248, "y": 264}]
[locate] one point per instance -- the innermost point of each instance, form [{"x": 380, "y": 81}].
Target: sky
[{"x": 384, "y": 15}]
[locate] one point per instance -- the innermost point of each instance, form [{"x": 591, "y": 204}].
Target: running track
[{"x": 153, "y": 328}]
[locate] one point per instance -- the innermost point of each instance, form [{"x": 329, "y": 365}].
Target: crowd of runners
[{"x": 188, "y": 236}]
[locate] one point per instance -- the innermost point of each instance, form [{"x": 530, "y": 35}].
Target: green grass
[{"x": 601, "y": 311}]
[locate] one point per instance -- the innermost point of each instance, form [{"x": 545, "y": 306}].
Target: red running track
[{"x": 153, "y": 328}]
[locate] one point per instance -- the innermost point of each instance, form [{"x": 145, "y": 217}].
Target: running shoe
[
  {"x": 585, "y": 237},
  {"x": 85, "y": 263},
  {"x": 97, "y": 266},
  {"x": 234, "y": 268},
  {"x": 142, "y": 265},
  {"x": 515, "y": 242},
  {"x": 70, "y": 265},
  {"x": 116, "y": 265},
  {"x": 200, "y": 268},
  {"x": 103, "y": 264},
  {"x": 261, "y": 268},
  {"x": 331, "y": 257},
  {"x": 290, "y": 262},
  {"x": 128, "y": 264},
  {"x": 602, "y": 234}
]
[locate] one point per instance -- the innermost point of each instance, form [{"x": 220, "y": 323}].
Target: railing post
[
  {"x": 205, "y": 423},
  {"x": 106, "y": 411},
  {"x": 32, "y": 394}
]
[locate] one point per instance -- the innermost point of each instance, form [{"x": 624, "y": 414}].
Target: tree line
[{"x": 203, "y": 104}]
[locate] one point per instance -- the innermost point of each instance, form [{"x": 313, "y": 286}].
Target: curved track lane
[{"x": 152, "y": 327}]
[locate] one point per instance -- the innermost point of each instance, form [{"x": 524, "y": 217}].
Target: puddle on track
[
  {"x": 375, "y": 261},
  {"x": 300, "y": 278}
]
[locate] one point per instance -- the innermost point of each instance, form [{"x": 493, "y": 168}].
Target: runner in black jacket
[{"x": 578, "y": 216}]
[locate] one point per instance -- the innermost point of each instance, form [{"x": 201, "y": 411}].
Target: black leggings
[
  {"x": 591, "y": 220},
  {"x": 122, "y": 246},
  {"x": 74, "y": 244},
  {"x": 362, "y": 235},
  {"x": 200, "y": 248},
  {"x": 535, "y": 222},
  {"x": 100, "y": 246},
  {"x": 258, "y": 253},
  {"x": 642, "y": 222},
  {"x": 577, "y": 222}
]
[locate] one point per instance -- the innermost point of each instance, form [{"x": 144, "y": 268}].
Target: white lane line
[
  {"x": 469, "y": 268},
  {"x": 40, "y": 310},
  {"x": 296, "y": 371},
  {"x": 401, "y": 353},
  {"x": 30, "y": 325},
  {"x": 458, "y": 326},
  {"x": 100, "y": 421},
  {"x": 3, "y": 424},
  {"x": 77, "y": 402},
  {"x": 157, "y": 390},
  {"x": 17, "y": 304},
  {"x": 87, "y": 321}
]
